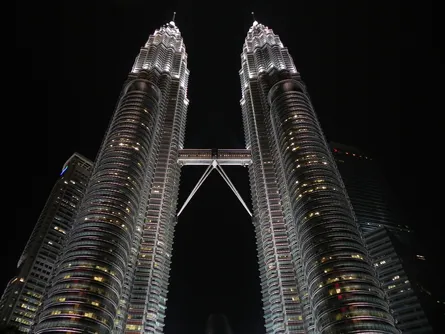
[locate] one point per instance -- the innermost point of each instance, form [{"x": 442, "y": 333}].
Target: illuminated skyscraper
[
  {"x": 116, "y": 263},
  {"x": 316, "y": 276},
  {"x": 23, "y": 294}
]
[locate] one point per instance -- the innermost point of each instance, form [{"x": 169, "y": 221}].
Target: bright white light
[
  {"x": 172, "y": 23},
  {"x": 255, "y": 23}
]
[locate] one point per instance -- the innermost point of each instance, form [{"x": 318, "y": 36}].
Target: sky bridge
[
  {"x": 214, "y": 159},
  {"x": 224, "y": 157}
]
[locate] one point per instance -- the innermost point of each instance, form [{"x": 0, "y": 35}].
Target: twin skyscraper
[{"x": 112, "y": 275}]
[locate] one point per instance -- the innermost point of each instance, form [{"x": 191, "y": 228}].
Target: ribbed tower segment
[
  {"x": 335, "y": 282},
  {"x": 164, "y": 52},
  {"x": 282, "y": 304},
  {"x": 106, "y": 265}
]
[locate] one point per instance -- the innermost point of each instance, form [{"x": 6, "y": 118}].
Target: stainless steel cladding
[
  {"x": 116, "y": 263},
  {"x": 315, "y": 272}
]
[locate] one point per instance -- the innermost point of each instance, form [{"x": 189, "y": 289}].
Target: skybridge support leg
[
  {"x": 231, "y": 186},
  {"x": 210, "y": 168},
  {"x": 200, "y": 182}
]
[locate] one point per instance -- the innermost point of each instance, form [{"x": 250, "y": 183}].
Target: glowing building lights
[
  {"x": 119, "y": 284},
  {"x": 326, "y": 263},
  {"x": 39, "y": 258}
]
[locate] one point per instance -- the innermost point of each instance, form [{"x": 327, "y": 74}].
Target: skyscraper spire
[
  {"x": 255, "y": 22},
  {"x": 172, "y": 22}
]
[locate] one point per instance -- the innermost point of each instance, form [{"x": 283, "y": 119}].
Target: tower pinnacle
[
  {"x": 172, "y": 22},
  {"x": 255, "y": 22}
]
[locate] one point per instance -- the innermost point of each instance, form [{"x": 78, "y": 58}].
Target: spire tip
[{"x": 255, "y": 22}]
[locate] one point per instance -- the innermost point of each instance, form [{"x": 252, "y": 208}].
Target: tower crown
[
  {"x": 170, "y": 29},
  {"x": 259, "y": 35},
  {"x": 162, "y": 50},
  {"x": 263, "y": 52}
]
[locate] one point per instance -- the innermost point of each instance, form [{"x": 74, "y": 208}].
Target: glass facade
[
  {"x": 397, "y": 281},
  {"x": 369, "y": 193},
  {"x": 390, "y": 243},
  {"x": 24, "y": 293},
  {"x": 315, "y": 271}
]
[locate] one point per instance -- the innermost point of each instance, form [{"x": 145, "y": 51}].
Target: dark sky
[{"x": 369, "y": 69}]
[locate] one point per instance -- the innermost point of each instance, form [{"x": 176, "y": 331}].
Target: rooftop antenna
[
  {"x": 174, "y": 15},
  {"x": 253, "y": 16}
]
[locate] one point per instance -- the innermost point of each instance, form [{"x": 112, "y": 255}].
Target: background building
[
  {"x": 23, "y": 294},
  {"x": 395, "y": 252}
]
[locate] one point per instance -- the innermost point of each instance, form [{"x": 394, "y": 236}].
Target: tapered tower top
[
  {"x": 259, "y": 34},
  {"x": 257, "y": 28},
  {"x": 168, "y": 39},
  {"x": 168, "y": 34},
  {"x": 169, "y": 28}
]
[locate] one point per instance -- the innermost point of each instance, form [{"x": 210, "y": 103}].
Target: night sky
[{"x": 368, "y": 67}]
